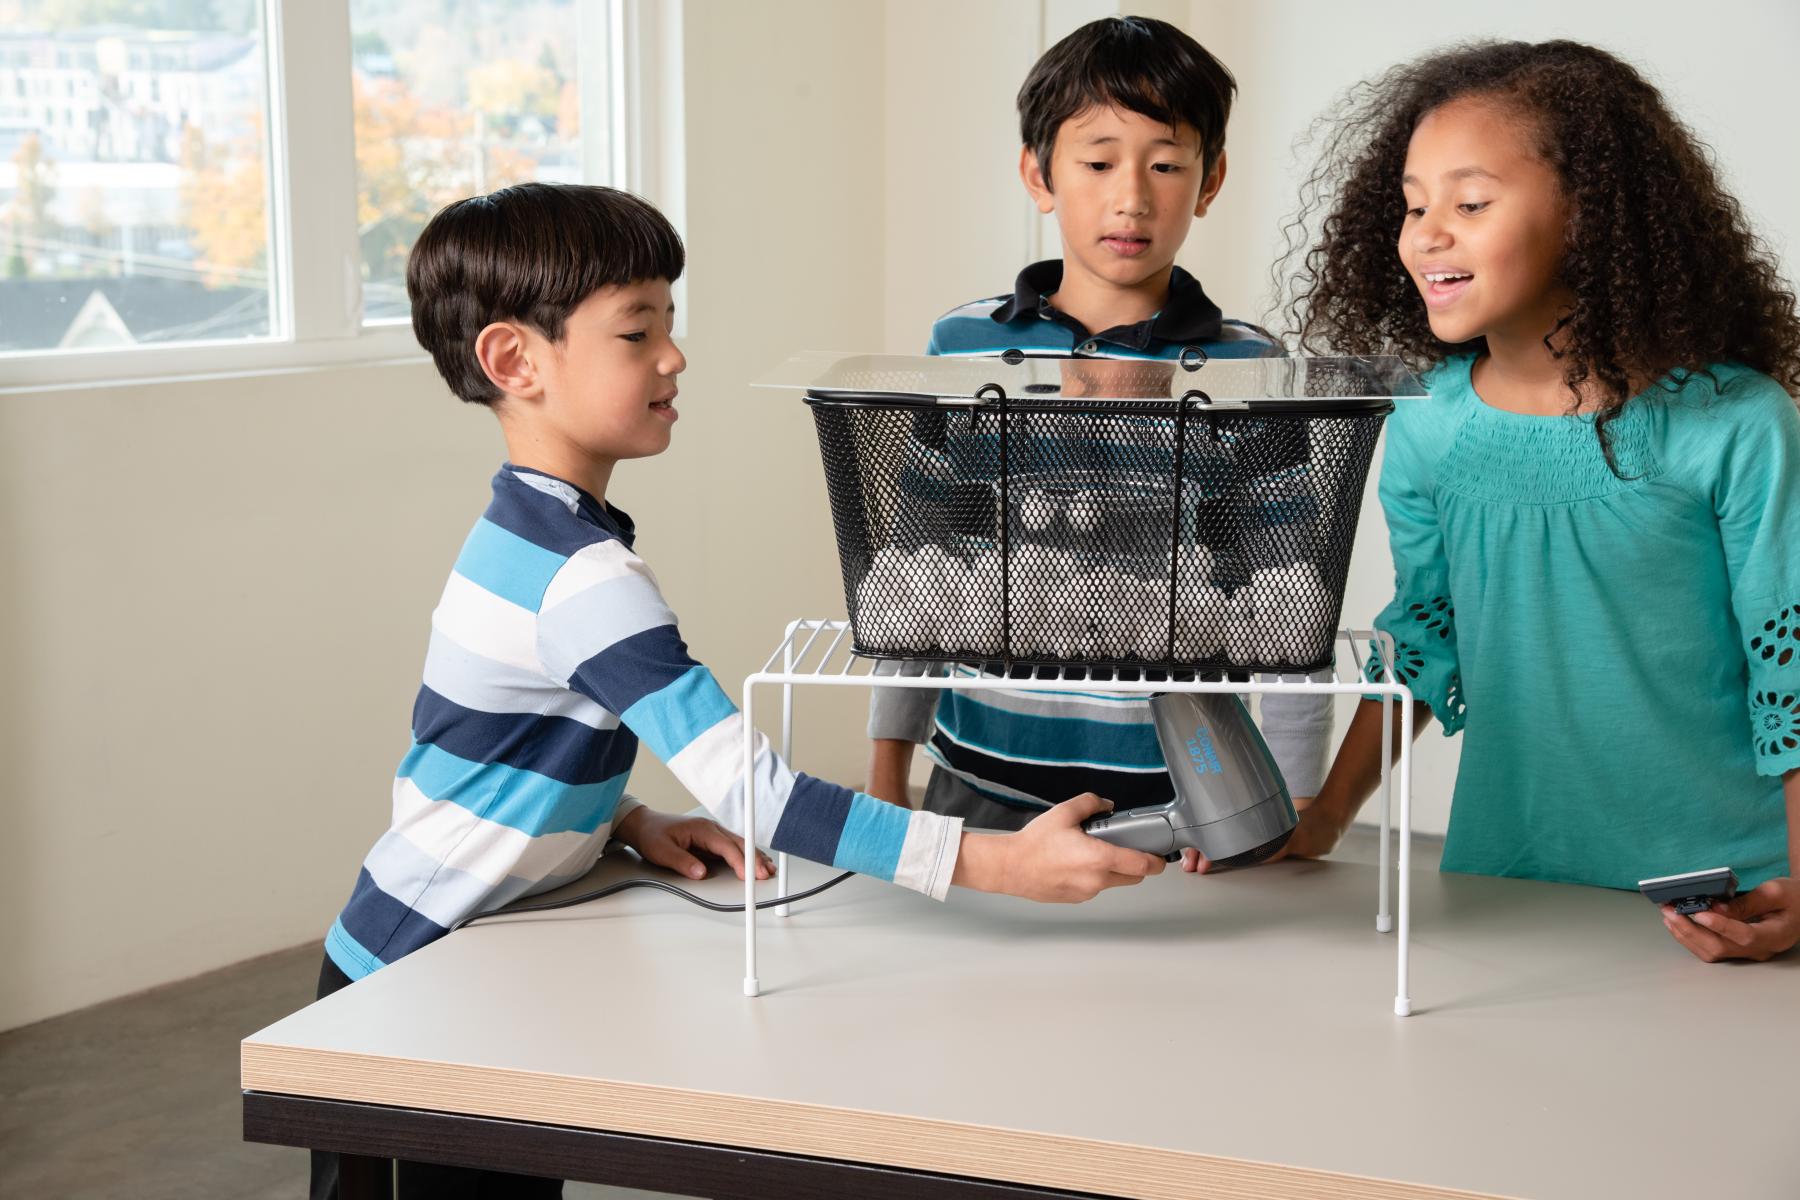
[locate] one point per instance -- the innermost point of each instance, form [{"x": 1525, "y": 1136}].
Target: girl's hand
[
  {"x": 1320, "y": 829},
  {"x": 672, "y": 842},
  {"x": 1758, "y": 925}
]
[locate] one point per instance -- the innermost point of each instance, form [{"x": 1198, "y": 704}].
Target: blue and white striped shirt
[{"x": 552, "y": 654}]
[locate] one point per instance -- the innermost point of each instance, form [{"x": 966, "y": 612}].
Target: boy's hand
[
  {"x": 1320, "y": 829},
  {"x": 1758, "y": 925},
  {"x": 671, "y": 841},
  {"x": 1051, "y": 859}
]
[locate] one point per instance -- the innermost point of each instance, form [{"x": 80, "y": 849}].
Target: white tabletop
[{"x": 1229, "y": 1035}]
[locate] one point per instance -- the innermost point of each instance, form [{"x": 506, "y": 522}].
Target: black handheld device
[{"x": 1693, "y": 892}]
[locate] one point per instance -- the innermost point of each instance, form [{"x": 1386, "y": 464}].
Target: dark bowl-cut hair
[
  {"x": 530, "y": 253},
  {"x": 1139, "y": 64}
]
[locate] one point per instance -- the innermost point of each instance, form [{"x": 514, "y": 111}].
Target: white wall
[{"x": 217, "y": 593}]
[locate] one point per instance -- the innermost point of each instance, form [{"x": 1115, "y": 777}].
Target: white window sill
[{"x": 378, "y": 345}]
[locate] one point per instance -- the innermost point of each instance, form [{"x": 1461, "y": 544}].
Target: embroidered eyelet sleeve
[
  {"x": 1757, "y": 502},
  {"x": 1421, "y": 618}
]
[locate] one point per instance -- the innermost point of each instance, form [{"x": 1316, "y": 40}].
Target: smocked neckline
[
  {"x": 1539, "y": 459},
  {"x": 1465, "y": 379}
]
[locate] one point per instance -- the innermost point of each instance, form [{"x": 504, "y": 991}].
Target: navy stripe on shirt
[
  {"x": 814, "y": 819},
  {"x": 557, "y": 747},
  {"x": 383, "y": 925},
  {"x": 634, "y": 667}
]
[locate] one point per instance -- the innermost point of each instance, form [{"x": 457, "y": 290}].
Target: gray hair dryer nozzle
[{"x": 1231, "y": 803}]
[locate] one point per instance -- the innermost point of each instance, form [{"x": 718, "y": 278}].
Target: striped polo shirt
[
  {"x": 552, "y": 655},
  {"x": 1028, "y": 322},
  {"x": 1030, "y": 749}
]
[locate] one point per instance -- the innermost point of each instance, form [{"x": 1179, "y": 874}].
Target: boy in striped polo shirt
[
  {"x": 553, "y": 652},
  {"x": 1123, "y": 124}
]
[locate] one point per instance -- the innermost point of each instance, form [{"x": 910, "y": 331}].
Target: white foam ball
[
  {"x": 923, "y": 608},
  {"x": 980, "y": 613},
  {"x": 1200, "y": 623},
  {"x": 1194, "y": 563},
  {"x": 1084, "y": 512},
  {"x": 1113, "y": 599},
  {"x": 1243, "y": 628},
  {"x": 1153, "y": 620}
]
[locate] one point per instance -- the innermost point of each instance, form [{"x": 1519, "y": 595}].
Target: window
[
  {"x": 453, "y": 99},
  {"x": 127, "y": 219},
  {"x": 192, "y": 187}
]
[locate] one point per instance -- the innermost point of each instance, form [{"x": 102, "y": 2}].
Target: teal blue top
[{"x": 1621, "y": 654}]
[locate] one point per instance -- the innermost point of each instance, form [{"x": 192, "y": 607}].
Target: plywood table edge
[{"x": 886, "y": 1139}]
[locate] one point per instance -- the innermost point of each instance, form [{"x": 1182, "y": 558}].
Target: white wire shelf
[{"x": 819, "y": 652}]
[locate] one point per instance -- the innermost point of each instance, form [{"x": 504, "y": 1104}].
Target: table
[{"x": 1187, "y": 1037}]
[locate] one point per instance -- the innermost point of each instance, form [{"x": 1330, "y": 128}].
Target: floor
[{"x": 139, "y": 1097}]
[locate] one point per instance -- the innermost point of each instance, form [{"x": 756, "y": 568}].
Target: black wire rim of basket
[{"x": 993, "y": 415}]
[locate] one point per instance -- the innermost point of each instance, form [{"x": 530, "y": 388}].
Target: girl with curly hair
[{"x": 1595, "y": 515}]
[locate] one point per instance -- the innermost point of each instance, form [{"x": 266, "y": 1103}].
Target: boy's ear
[
  {"x": 504, "y": 353},
  {"x": 1035, "y": 183},
  {"x": 1209, "y": 189}
]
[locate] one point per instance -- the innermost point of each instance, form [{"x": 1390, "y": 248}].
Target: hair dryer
[{"x": 1231, "y": 803}]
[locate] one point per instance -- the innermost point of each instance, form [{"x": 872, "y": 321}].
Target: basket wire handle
[
  {"x": 995, "y": 392},
  {"x": 1181, "y": 419}
]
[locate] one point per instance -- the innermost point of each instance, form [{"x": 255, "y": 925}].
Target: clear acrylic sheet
[{"x": 1220, "y": 381}]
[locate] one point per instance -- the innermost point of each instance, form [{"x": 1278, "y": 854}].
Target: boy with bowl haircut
[
  {"x": 1123, "y": 130},
  {"x": 553, "y": 652}
]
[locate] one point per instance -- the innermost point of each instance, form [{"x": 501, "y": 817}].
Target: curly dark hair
[{"x": 1664, "y": 267}]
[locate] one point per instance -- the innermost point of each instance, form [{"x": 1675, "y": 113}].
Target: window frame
[{"x": 316, "y": 306}]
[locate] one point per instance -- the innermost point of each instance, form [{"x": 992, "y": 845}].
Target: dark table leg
[{"x": 363, "y": 1178}]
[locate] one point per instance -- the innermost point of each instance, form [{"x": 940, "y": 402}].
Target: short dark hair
[
  {"x": 1136, "y": 63},
  {"x": 529, "y": 253}
]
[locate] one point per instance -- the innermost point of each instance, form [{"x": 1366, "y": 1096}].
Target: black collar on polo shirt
[{"x": 1188, "y": 317}]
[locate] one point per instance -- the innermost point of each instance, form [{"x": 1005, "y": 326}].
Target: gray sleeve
[
  {"x": 1298, "y": 730},
  {"x": 903, "y": 714}
]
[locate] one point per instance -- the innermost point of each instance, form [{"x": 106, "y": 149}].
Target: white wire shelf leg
[
  {"x": 787, "y": 756},
  {"x": 1384, "y": 918},
  {"x": 751, "y": 985},
  {"x": 1403, "y": 993}
]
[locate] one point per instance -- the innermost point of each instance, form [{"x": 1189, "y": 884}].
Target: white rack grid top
[{"x": 819, "y": 650}]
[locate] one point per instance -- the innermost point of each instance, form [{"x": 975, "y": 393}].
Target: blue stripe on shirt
[
  {"x": 668, "y": 719},
  {"x": 523, "y": 800},
  {"x": 1112, "y": 745},
  {"x": 874, "y": 834},
  {"x": 507, "y": 565}
]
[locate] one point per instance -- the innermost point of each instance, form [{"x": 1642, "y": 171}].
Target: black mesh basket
[{"x": 1168, "y": 533}]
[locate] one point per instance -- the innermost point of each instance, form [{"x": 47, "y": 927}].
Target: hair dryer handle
[{"x": 1145, "y": 829}]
